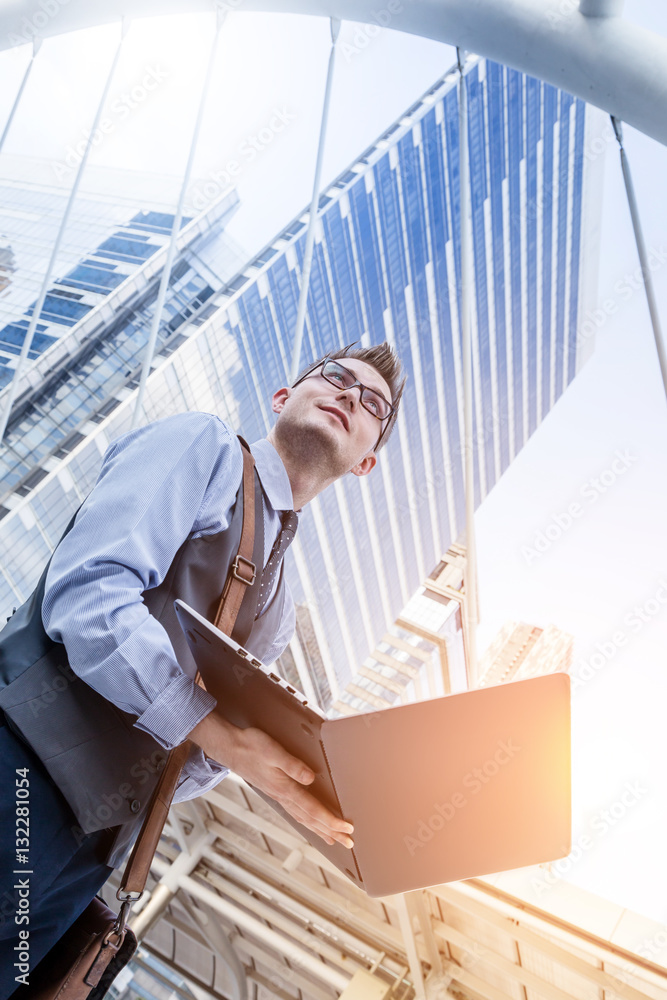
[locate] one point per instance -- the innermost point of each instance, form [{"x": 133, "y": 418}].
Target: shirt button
[{"x": 135, "y": 805}]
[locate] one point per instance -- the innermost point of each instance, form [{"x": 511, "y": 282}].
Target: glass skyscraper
[
  {"x": 387, "y": 265},
  {"x": 33, "y": 202}
]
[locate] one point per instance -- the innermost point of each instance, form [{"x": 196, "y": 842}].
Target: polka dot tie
[{"x": 290, "y": 523}]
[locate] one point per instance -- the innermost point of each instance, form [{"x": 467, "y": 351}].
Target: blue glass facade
[
  {"x": 88, "y": 388},
  {"x": 109, "y": 266},
  {"x": 387, "y": 265}
]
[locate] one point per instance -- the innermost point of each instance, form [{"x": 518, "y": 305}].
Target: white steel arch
[{"x": 582, "y": 46}]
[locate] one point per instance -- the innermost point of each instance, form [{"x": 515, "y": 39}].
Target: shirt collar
[{"x": 273, "y": 475}]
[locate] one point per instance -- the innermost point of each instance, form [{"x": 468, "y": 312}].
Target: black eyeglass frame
[{"x": 362, "y": 387}]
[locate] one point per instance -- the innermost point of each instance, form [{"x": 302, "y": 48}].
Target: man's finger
[
  {"x": 319, "y": 812},
  {"x": 295, "y": 768},
  {"x": 321, "y": 830},
  {"x": 307, "y": 810},
  {"x": 319, "y": 819}
]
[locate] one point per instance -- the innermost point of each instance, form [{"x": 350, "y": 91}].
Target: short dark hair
[{"x": 384, "y": 359}]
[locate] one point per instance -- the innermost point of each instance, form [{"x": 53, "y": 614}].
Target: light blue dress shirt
[{"x": 160, "y": 484}]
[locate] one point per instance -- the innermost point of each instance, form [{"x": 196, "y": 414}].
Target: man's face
[{"x": 332, "y": 420}]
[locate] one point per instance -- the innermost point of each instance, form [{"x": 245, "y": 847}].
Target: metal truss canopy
[
  {"x": 587, "y": 50},
  {"x": 245, "y": 889}
]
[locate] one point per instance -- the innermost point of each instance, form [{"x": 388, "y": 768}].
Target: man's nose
[{"x": 351, "y": 395}]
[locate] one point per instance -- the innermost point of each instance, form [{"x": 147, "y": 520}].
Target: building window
[
  {"x": 156, "y": 222},
  {"x": 121, "y": 247},
  {"x": 93, "y": 278},
  {"x": 13, "y": 335},
  {"x": 59, "y": 310}
]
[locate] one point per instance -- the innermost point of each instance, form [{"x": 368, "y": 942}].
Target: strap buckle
[
  {"x": 116, "y": 934},
  {"x": 244, "y": 570},
  {"x": 129, "y": 897}
]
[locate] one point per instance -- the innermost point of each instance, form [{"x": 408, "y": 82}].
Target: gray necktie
[{"x": 290, "y": 523}]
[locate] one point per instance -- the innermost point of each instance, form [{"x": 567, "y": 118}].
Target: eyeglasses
[{"x": 343, "y": 378}]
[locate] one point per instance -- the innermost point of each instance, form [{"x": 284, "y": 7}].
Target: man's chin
[{"x": 316, "y": 442}]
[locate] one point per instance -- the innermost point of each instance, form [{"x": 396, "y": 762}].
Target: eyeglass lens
[{"x": 370, "y": 399}]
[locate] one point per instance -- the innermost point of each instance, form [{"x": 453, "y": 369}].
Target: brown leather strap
[
  {"x": 238, "y": 583},
  {"x": 139, "y": 862},
  {"x": 242, "y": 570}
]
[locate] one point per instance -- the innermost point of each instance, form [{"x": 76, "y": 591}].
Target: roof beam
[
  {"x": 506, "y": 966},
  {"x": 466, "y": 898},
  {"x": 251, "y": 925}
]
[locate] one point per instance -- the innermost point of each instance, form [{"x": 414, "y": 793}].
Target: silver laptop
[{"x": 441, "y": 790}]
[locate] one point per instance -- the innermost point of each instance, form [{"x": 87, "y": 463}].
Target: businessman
[{"x": 161, "y": 519}]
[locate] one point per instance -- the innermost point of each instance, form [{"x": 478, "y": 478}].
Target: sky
[{"x": 599, "y": 573}]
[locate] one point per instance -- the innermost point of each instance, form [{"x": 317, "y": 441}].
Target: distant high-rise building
[
  {"x": 387, "y": 265},
  {"x": 520, "y": 651},
  {"x": 93, "y": 328},
  {"x": 107, "y": 210}
]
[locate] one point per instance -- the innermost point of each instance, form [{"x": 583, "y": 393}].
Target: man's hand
[{"x": 256, "y": 757}]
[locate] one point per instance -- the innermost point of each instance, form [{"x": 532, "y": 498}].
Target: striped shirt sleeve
[{"x": 158, "y": 484}]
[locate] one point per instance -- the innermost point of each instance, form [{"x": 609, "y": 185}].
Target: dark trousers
[{"x": 43, "y": 895}]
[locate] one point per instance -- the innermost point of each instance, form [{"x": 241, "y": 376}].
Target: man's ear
[
  {"x": 365, "y": 466},
  {"x": 279, "y": 399}
]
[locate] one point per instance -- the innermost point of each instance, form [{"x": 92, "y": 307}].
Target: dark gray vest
[{"x": 105, "y": 767}]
